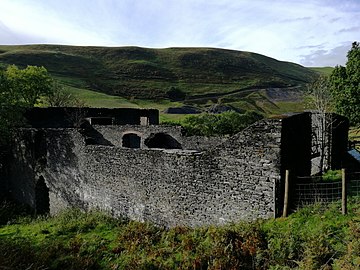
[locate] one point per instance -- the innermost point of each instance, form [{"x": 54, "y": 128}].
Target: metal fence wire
[
  {"x": 309, "y": 190},
  {"x": 353, "y": 185}
]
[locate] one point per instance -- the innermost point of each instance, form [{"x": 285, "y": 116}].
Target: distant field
[
  {"x": 323, "y": 70},
  {"x": 253, "y": 101},
  {"x": 96, "y": 99}
]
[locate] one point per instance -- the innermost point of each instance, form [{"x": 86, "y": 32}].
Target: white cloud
[
  {"x": 322, "y": 58},
  {"x": 286, "y": 30}
]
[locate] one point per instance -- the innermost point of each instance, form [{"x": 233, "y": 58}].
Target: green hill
[
  {"x": 148, "y": 73},
  {"x": 196, "y": 76}
]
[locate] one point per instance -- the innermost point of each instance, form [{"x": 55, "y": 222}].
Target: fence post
[
  {"x": 343, "y": 193},
  {"x": 286, "y": 194}
]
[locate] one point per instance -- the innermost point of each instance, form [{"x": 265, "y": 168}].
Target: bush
[
  {"x": 332, "y": 175},
  {"x": 226, "y": 123}
]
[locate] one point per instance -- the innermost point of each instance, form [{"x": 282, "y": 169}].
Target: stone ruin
[{"x": 123, "y": 162}]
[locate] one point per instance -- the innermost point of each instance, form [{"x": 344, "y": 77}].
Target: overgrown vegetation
[
  {"x": 61, "y": 96},
  {"x": 226, "y": 123},
  {"x": 316, "y": 237},
  {"x": 331, "y": 175},
  {"x": 25, "y": 88},
  {"x": 346, "y": 86},
  {"x": 207, "y": 124}
]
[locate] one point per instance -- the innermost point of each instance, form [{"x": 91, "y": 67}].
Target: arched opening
[
  {"x": 131, "y": 140},
  {"x": 42, "y": 202},
  {"x": 162, "y": 140}
]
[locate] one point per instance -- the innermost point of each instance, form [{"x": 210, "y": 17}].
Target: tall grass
[{"x": 316, "y": 237}]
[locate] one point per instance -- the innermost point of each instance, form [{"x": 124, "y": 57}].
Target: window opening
[{"x": 131, "y": 140}]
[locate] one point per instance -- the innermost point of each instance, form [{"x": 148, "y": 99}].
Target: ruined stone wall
[
  {"x": 233, "y": 181},
  {"x": 328, "y": 141},
  {"x": 320, "y": 142},
  {"x": 23, "y": 167},
  {"x": 202, "y": 143},
  {"x": 60, "y": 117},
  {"x": 205, "y": 181},
  {"x": 3, "y": 173},
  {"x": 114, "y": 134}
]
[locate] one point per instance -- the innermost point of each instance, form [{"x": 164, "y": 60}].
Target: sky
[{"x": 307, "y": 32}]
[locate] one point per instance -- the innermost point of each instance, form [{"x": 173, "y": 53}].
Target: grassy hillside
[
  {"x": 137, "y": 77},
  {"x": 316, "y": 237},
  {"x": 147, "y": 73},
  {"x": 323, "y": 70}
]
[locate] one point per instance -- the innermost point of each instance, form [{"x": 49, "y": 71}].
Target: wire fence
[
  {"x": 353, "y": 187},
  {"x": 309, "y": 190}
]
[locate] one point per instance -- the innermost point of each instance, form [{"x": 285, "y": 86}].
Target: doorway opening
[{"x": 42, "y": 201}]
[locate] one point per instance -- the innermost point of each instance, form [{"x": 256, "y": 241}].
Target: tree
[
  {"x": 20, "y": 89},
  {"x": 226, "y": 123},
  {"x": 175, "y": 94},
  {"x": 10, "y": 111},
  {"x": 345, "y": 86},
  {"x": 62, "y": 97},
  {"x": 320, "y": 97},
  {"x": 322, "y": 102},
  {"x": 30, "y": 83}
]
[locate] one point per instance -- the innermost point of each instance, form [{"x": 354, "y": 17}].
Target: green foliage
[
  {"x": 175, "y": 94},
  {"x": 332, "y": 175},
  {"x": 315, "y": 237},
  {"x": 19, "y": 89},
  {"x": 226, "y": 123},
  {"x": 350, "y": 257},
  {"x": 61, "y": 96},
  {"x": 346, "y": 86},
  {"x": 31, "y": 83},
  {"x": 9, "y": 95},
  {"x": 10, "y": 111}
]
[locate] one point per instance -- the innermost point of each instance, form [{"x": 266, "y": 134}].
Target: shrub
[
  {"x": 226, "y": 123},
  {"x": 332, "y": 175}
]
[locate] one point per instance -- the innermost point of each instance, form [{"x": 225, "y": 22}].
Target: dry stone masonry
[{"x": 136, "y": 168}]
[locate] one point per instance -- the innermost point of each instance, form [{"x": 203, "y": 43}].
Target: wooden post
[
  {"x": 343, "y": 193},
  {"x": 286, "y": 194}
]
